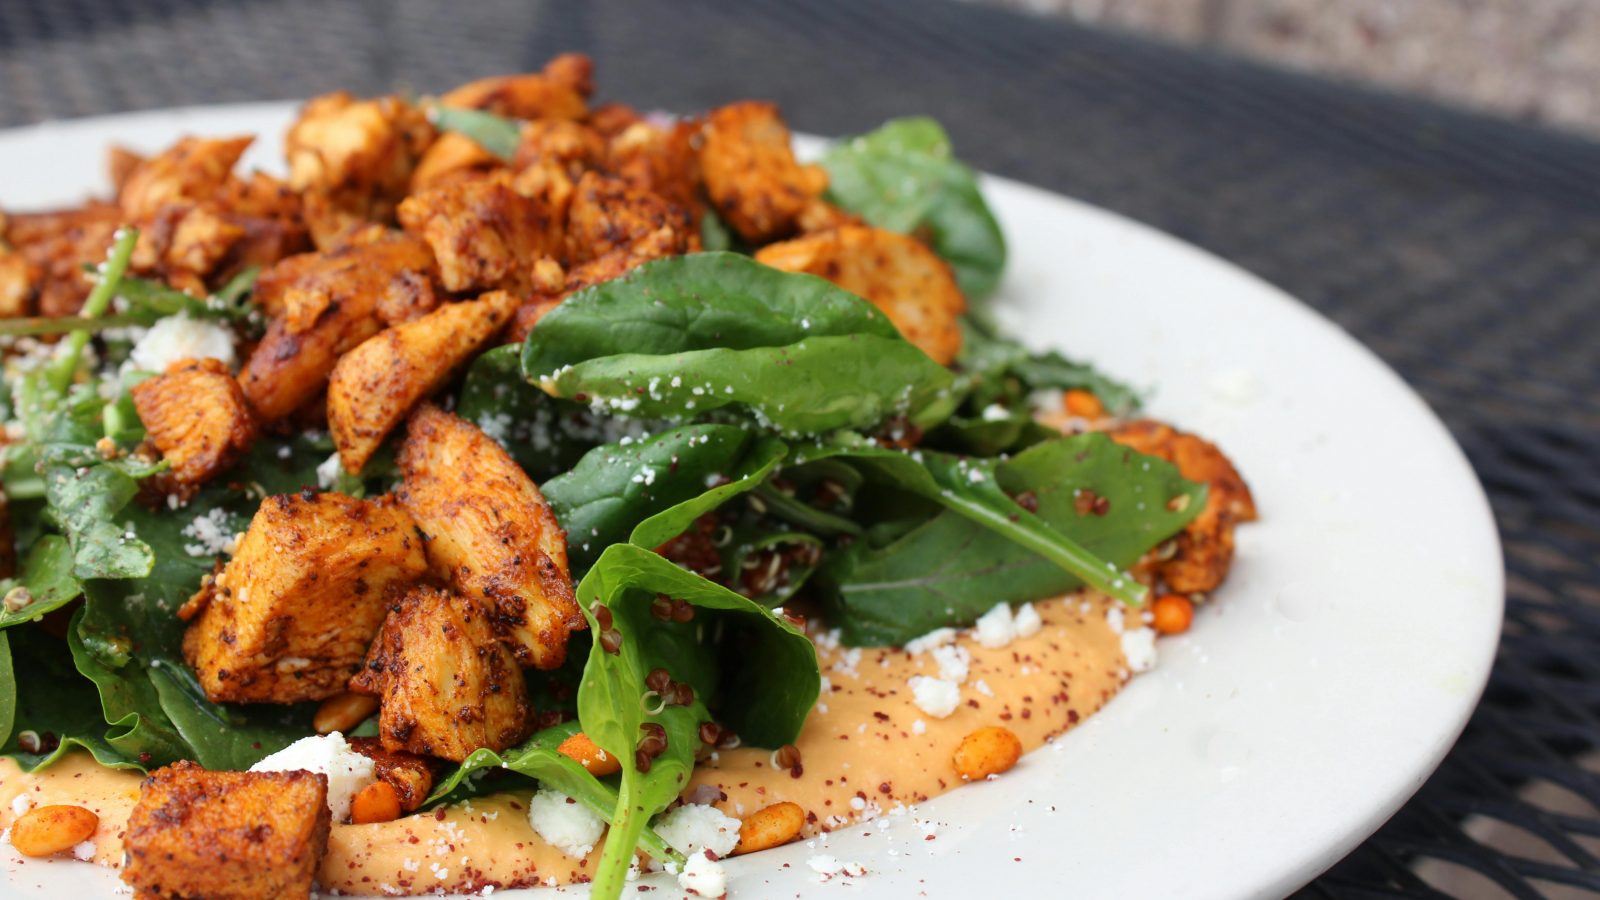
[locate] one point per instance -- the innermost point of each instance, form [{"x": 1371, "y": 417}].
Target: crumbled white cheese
[
  {"x": 83, "y": 851},
  {"x": 919, "y": 727},
  {"x": 564, "y": 823},
  {"x": 1116, "y": 618},
  {"x": 935, "y": 696},
  {"x": 328, "y": 471},
  {"x": 829, "y": 866},
  {"x": 180, "y": 337},
  {"x": 328, "y": 754},
  {"x": 995, "y": 628},
  {"x": 994, "y": 412},
  {"x": 1139, "y": 648},
  {"x": 703, "y": 877},
  {"x": 1027, "y": 621},
  {"x": 935, "y": 638},
  {"x": 696, "y": 826},
  {"x": 20, "y": 804},
  {"x": 953, "y": 661}
]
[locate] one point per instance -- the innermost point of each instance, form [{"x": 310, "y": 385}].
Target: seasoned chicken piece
[
  {"x": 574, "y": 70},
  {"x": 751, "y": 174},
  {"x": 660, "y": 160},
  {"x": 359, "y": 154},
  {"x": 16, "y": 285},
  {"x": 410, "y": 775},
  {"x": 377, "y": 384},
  {"x": 556, "y": 93},
  {"x": 483, "y": 234},
  {"x": 611, "y": 119},
  {"x": 323, "y": 305},
  {"x": 1205, "y": 546},
  {"x": 185, "y": 240},
  {"x": 451, "y": 157},
  {"x": 196, "y": 415},
  {"x": 446, "y": 685},
  {"x": 608, "y": 215},
  {"x": 56, "y": 245},
  {"x": 571, "y": 146},
  {"x": 190, "y": 171},
  {"x": 291, "y": 615},
  {"x": 121, "y": 162},
  {"x": 226, "y": 835},
  {"x": 899, "y": 274},
  {"x": 490, "y": 532}
]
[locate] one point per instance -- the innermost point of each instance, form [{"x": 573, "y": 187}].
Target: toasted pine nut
[
  {"x": 52, "y": 829},
  {"x": 777, "y": 824},
  {"x": 589, "y": 755},
  {"x": 988, "y": 751},
  {"x": 1083, "y": 404},
  {"x": 377, "y": 802},
  {"x": 343, "y": 711}
]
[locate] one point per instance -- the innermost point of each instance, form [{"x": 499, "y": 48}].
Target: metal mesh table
[{"x": 1465, "y": 251}]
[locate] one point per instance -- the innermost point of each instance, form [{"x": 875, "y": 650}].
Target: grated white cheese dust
[
  {"x": 180, "y": 337},
  {"x": 695, "y": 826},
  {"x": 564, "y": 823},
  {"x": 211, "y": 534},
  {"x": 703, "y": 876},
  {"x": 935, "y": 696},
  {"x": 329, "y": 754}
]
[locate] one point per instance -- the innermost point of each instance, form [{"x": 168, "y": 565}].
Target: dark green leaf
[
  {"x": 48, "y": 579},
  {"x": 55, "y": 703},
  {"x": 903, "y": 177},
  {"x": 764, "y": 688},
  {"x": 8, "y": 690},
  {"x": 952, "y": 569},
  {"x": 138, "y": 727},
  {"x": 86, "y": 501}
]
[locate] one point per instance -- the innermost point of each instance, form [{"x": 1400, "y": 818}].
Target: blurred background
[{"x": 1537, "y": 60}]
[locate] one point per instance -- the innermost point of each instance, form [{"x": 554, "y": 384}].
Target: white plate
[{"x": 1349, "y": 645}]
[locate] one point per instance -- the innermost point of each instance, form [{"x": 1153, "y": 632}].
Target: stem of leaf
[
  {"x": 65, "y": 366},
  {"x": 1052, "y": 545},
  {"x": 611, "y": 874}
]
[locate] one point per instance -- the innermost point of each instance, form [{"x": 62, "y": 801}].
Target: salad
[{"x": 527, "y": 490}]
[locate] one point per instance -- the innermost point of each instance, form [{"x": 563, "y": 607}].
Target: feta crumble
[
  {"x": 829, "y": 866},
  {"x": 83, "y": 851},
  {"x": 935, "y": 638},
  {"x": 703, "y": 877},
  {"x": 1139, "y": 648},
  {"x": 995, "y": 628},
  {"x": 935, "y": 696},
  {"x": 180, "y": 337},
  {"x": 953, "y": 661},
  {"x": 564, "y": 823},
  {"x": 328, "y": 754},
  {"x": 328, "y": 471},
  {"x": 693, "y": 827},
  {"x": 1027, "y": 621}
]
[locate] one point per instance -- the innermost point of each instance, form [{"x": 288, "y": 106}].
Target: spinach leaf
[
  {"x": 812, "y": 387},
  {"x": 999, "y": 369},
  {"x": 537, "y": 758},
  {"x": 701, "y": 301},
  {"x": 764, "y": 689},
  {"x": 48, "y": 579},
  {"x": 52, "y": 701},
  {"x": 138, "y": 727},
  {"x": 616, "y": 487},
  {"x": 544, "y": 435},
  {"x": 903, "y": 177},
  {"x": 85, "y": 500},
  {"x": 496, "y": 134},
  {"x": 761, "y": 460},
  {"x": 954, "y": 567}
]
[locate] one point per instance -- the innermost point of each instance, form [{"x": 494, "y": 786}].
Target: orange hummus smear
[{"x": 866, "y": 747}]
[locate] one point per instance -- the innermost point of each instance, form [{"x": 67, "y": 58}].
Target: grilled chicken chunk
[
  {"x": 377, "y": 384},
  {"x": 483, "y": 234},
  {"x": 324, "y": 304},
  {"x": 446, "y": 684},
  {"x": 291, "y": 615},
  {"x": 197, "y": 416},
  {"x": 491, "y": 534},
  {"x": 357, "y": 155},
  {"x": 410, "y": 775},
  {"x": 226, "y": 835},
  {"x": 1205, "y": 546},
  {"x": 899, "y": 274},
  {"x": 751, "y": 174}
]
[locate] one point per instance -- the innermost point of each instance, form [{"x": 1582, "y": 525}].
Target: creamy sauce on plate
[{"x": 866, "y": 748}]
